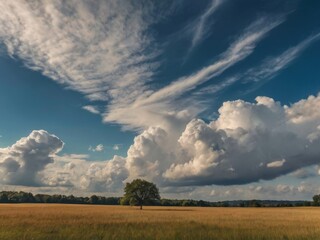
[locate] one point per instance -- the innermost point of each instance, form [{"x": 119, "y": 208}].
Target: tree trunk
[{"x": 140, "y": 207}]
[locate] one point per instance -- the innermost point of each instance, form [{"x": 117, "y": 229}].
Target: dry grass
[{"x": 54, "y": 221}]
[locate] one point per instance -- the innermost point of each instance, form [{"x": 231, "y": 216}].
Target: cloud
[
  {"x": 305, "y": 173},
  {"x": 160, "y": 108},
  {"x": 200, "y": 26},
  {"x": 243, "y": 145},
  {"x": 278, "y": 163},
  {"x": 150, "y": 153},
  {"x": 247, "y": 143},
  {"x": 116, "y": 147},
  {"x": 111, "y": 57},
  {"x": 267, "y": 70},
  {"x": 107, "y": 176},
  {"x": 33, "y": 161},
  {"x": 92, "y": 109},
  {"x": 21, "y": 163},
  {"x": 78, "y": 173},
  {"x": 273, "y": 65},
  {"x": 263, "y": 190},
  {"x": 238, "y": 50},
  {"x": 98, "y": 148},
  {"x": 97, "y": 48},
  {"x": 305, "y": 111},
  {"x": 105, "y": 51}
]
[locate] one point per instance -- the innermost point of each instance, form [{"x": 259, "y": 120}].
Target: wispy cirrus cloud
[
  {"x": 199, "y": 28},
  {"x": 238, "y": 50},
  {"x": 268, "y": 69},
  {"x": 159, "y": 107},
  {"x": 103, "y": 50},
  {"x": 273, "y": 65},
  {"x": 98, "y": 48}
]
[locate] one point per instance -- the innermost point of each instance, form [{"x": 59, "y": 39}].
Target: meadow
[{"x": 55, "y": 221}]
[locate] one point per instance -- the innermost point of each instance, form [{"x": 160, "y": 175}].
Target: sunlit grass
[{"x": 54, "y": 221}]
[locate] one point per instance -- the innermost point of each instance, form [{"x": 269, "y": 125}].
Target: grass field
[{"x": 54, "y": 221}]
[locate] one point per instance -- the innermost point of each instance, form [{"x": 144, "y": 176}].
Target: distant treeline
[
  {"x": 238, "y": 203},
  {"x": 26, "y": 197}
]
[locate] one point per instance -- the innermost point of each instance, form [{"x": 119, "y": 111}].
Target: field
[{"x": 54, "y": 221}]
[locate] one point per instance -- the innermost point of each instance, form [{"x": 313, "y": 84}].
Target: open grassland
[{"x": 54, "y": 221}]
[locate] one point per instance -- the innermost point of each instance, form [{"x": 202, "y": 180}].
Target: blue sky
[
  {"x": 33, "y": 101},
  {"x": 216, "y": 99}
]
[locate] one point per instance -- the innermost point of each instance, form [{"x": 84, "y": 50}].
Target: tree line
[{"x": 27, "y": 197}]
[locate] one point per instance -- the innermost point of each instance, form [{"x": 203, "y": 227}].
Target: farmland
[{"x": 54, "y": 221}]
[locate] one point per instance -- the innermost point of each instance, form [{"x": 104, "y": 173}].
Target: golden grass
[{"x": 54, "y": 221}]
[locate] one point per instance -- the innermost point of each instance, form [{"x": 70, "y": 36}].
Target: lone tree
[
  {"x": 316, "y": 200},
  {"x": 140, "y": 192}
]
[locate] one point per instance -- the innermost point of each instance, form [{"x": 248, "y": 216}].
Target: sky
[{"x": 213, "y": 99}]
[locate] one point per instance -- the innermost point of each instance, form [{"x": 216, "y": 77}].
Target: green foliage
[
  {"x": 124, "y": 201},
  {"x": 140, "y": 192},
  {"x": 25, "y": 197},
  {"x": 93, "y": 199},
  {"x": 4, "y": 198},
  {"x": 316, "y": 200}
]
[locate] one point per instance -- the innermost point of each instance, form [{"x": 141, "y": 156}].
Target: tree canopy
[
  {"x": 316, "y": 200},
  {"x": 139, "y": 192}
]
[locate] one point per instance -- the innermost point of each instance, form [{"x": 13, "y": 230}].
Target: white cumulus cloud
[
  {"x": 247, "y": 142},
  {"x": 98, "y": 148},
  {"x": 244, "y": 144},
  {"x": 21, "y": 163}
]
